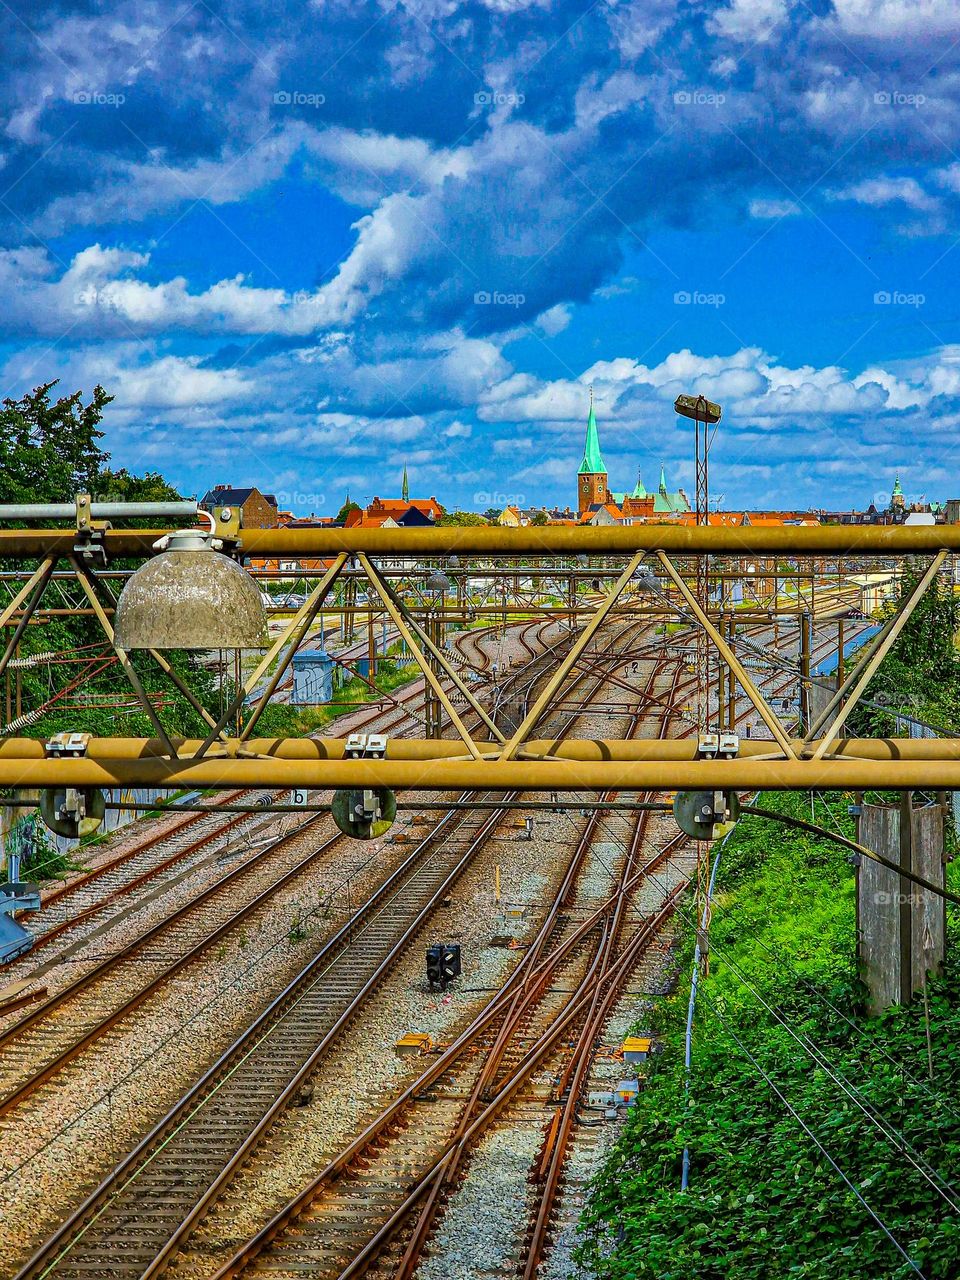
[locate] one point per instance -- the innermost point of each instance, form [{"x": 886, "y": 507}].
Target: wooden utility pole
[{"x": 901, "y": 925}]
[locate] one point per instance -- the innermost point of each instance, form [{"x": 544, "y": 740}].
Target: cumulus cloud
[
  {"x": 881, "y": 191},
  {"x": 441, "y": 181}
]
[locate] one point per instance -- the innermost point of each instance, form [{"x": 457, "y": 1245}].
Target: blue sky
[{"x": 304, "y": 244}]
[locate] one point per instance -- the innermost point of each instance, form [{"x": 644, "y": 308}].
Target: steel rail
[
  {"x": 572, "y": 1076},
  {"x": 56, "y": 1064},
  {"x": 15, "y": 1031},
  {"x": 530, "y": 995},
  {"x": 494, "y": 1009},
  {"x": 42, "y": 1262},
  {"x": 97, "y": 873}
]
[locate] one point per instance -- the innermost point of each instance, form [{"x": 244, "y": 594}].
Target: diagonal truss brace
[
  {"x": 731, "y": 659},
  {"x": 853, "y": 687},
  {"x": 297, "y": 628},
  {"x": 385, "y": 589},
  {"x": 430, "y": 675},
  {"x": 565, "y": 667},
  {"x": 124, "y": 658},
  {"x": 169, "y": 671},
  {"x": 38, "y": 579}
]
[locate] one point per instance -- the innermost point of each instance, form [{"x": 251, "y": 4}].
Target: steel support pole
[
  {"x": 293, "y": 636},
  {"x": 433, "y": 644},
  {"x": 122, "y": 656},
  {"x": 532, "y": 540},
  {"x": 40, "y": 579},
  {"x": 805, "y": 637},
  {"x": 43, "y": 570}
]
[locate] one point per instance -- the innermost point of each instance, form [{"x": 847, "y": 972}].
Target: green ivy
[{"x": 764, "y": 1200}]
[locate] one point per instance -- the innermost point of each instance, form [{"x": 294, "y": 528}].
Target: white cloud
[
  {"x": 99, "y": 294},
  {"x": 893, "y": 19},
  {"x": 882, "y": 191},
  {"x": 555, "y": 319},
  {"x": 748, "y": 20},
  {"x": 773, "y": 208}
]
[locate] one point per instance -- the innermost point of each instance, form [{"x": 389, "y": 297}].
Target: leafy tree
[
  {"x": 920, "y": 676},
  {"x": 763, "y": 1199},
  {"x": 539, "y": 518},
  {"x": 121, "y": 486},
  {"x": 460, "y": 518},
  {"x": 345, "y": 510},
  {"x": 50, "y": 451}
]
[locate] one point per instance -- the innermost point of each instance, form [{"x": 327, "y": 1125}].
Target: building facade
[{"x": 597, "y": 505}]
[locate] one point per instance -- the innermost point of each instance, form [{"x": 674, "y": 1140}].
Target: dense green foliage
[
  {"x": 347, "y": 507},
  {"x": 461, "y": 519},
  {"x": 920, "y": 677},
  {"x": 764, "y": 1200}
]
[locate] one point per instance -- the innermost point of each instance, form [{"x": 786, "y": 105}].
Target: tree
[
  {"x": 462, "y": 518},
  {"x": 920, "y": 676},
  {"x": 539, "y": 518},
  {"x": 49, "y": 452},
  {"x": 121, "y": 486},
  {"x": 345, "y": 510}
]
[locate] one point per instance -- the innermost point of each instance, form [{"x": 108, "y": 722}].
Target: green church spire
[
  {"x": 405, "y": 487},
  {"x": 592, "y": 463},
  {"x": 663, "y": 479},
  {"x": 639, "y": 491}
]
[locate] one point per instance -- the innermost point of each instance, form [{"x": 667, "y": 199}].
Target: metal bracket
[
  {"x": 67, "y": 744},
  {"x": 89, "y": 544},
  {"x": 365, "y": 746},
  {"x": 718, "y": 746}
]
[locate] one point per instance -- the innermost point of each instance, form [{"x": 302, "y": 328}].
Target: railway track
[
  {"x": 89, "y": 896},
  {"x": 41, "y": 1043},
  {"x": 407, "y": 1159},
  {"x": 115, "y": 1221},
  {"x": 158, "y": 1152},
  {"x": 326, "y": 1231}
]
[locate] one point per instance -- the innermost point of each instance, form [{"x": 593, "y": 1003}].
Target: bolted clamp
[{"x": 89, "y": 544}]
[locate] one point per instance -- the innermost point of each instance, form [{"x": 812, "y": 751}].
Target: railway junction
[{"x": 221, "y": 1053}]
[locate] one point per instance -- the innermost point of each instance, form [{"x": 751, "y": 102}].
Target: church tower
[{"x": 592, "y": 477}]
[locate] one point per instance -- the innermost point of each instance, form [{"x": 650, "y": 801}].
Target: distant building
[
  {"x": 520, "y": 517},
  {"x": 594, "y": 496},
  {"x": 397, "y": 508},
  {"x": 258, "y": 510}
]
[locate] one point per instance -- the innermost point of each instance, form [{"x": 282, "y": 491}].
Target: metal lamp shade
[{"x": 190, "y": 599}]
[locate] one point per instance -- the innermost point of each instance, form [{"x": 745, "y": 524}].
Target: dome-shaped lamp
[
  {"x": 190, "y": 597},
  {"x": 437, "y": 581}
]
